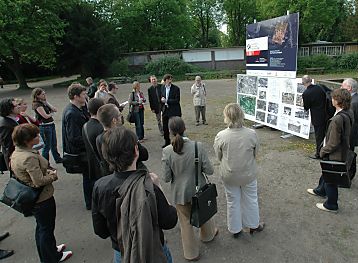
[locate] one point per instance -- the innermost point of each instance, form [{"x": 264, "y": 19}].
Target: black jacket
[
  {"x": 143, "y": 156},
  {"x": 93, "y": 128},
  {"x": 354, "y": 131},
  {"x": 154, "y": 95},
  {"x": 104, "y": 207},
  {"x": 173, "y": 107},
  {"x": 91, "y": 90},
  {"x": 314, "y": 99},
  {"x": 7, "y": 125},
  {"x": 73, "y": 120}
]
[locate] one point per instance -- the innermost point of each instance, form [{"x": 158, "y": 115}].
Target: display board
[
  {"x": 275, "y": 102},
  {"x": 271, "y": 47}
]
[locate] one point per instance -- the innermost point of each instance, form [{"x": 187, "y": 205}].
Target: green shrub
[
  {"x": 171, "y": 65},
  {"x": 316, "y": 61},
  {"x": 348, "y": 61},
  {"x": 119, "y": 68}
]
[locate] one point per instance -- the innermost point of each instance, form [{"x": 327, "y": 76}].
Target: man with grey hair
[
  {"x": 351, "y": 85},
  {"x": 314, "y": 99}
]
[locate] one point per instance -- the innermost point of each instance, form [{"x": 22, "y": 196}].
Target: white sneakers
[
  {"x": 320, "y": 206},
  {"x": 66, "y": 255},
  {"x": 311, "y": 192}
]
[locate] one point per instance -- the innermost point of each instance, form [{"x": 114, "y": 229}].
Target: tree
[
  {"x": 239, "y": 13},
  {"x": 29, "y": 32},
  {"x": 205, "y": 15},
  {"x": 91, "y": 41}
]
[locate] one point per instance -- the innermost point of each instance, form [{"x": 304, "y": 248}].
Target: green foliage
[
  {"x": 171, "y": 65},
  {"x": 316, "y": 61},
  {"x": 348, "y": 61},
  {"x": 30, "y": 31},
  {"x": 119, "y": 68}
]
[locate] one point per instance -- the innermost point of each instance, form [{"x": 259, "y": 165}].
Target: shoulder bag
[
  {"x": 130, "y": 117},
  {"x": 20, "y": 196},
  {"x": 3, "y": 166},
  {"x": 73, "y": 163},
  {"x": 340, "y": 173},
  {"x": 203, "y": 204}
]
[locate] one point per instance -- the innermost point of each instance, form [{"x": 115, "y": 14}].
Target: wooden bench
[{"x": 314, "y": 70}]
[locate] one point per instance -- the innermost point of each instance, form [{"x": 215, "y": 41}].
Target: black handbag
[
  {"x": 339, "y": 173},
  {"x": 73, "y": 163},
  {"x": 20, "y": 196},
  {"x": 203, "y": 204},
  {"x": 130, "y": 117}
]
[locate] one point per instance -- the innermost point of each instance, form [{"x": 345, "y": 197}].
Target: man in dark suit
[
  {"x": 314, "y": 99},
  {"x": 170, "y": 99},
  {"x": 352, "y": 86},
  {"x": 154, "y": 95},
  {"x": 90, "y": 131},
  {"x": 8, "y": 120}
]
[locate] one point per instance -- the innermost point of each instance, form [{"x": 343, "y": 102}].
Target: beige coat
[
  {"x": 236, "y": 149},
  {"x": 179, "y": 169},
  {"x": 199, "y": 94},
  {"x": 31, "y": 168}
]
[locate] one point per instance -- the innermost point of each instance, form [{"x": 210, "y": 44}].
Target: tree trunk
[{"x": 16, "y": 67}]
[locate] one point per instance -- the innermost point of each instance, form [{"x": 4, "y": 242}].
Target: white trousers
[{"x": 242, "y": 207}]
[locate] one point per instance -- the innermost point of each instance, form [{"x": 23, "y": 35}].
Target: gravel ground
[{"x": 296, "y": 231}]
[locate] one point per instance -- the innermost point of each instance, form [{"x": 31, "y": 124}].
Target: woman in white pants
[{"x": 236, "y": 148}]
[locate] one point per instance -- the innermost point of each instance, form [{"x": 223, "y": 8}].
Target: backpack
[{"x": 329, "y": 108}]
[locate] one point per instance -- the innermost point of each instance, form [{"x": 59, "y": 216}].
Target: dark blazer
[
  {"x": 173, "y": 107},
  {"x": 354, "y": 131},
  {"x": 73, "y": 120},
  {"x": 7, "y": 125},
  {"x": 154, "y": 95},
  {"x": 93, "y": 128},
  {"x": 314, "y": 99},
  {"x": 337, "y": 137}
]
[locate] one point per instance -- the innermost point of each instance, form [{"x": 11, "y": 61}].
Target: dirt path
[{"x": 296, "y": 230}]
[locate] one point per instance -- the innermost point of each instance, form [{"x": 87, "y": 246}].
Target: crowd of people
[{"x": 127, "y": 200}]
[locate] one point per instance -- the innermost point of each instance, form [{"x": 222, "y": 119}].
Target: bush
[
  {"x": 171, "y": 65},
  {"x": 316, "y": 61},
  {"x": 348, "y": 61},
  {"x": 119, "y": 68}
]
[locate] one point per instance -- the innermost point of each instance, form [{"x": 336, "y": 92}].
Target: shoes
[
  {"x": 315, "y": 157},
  {"x": 6, "y": 253},
  {"x": 236, "y": 235},
  {"x": 312, "y": 192},
  {"x": 66, "y": 255},
  {"x": 141, "y": 141},
  {"x": 61, "y": 248},
  {"x": 258, "y": 229},
  {"x": 197, "y": 124},
  {"x": 205, "y": 123},
  {"x": 193, "y": 259},
  {"x": 88, "y": 207},
  {"x": 59, "y": 160},
  {"x": 321, "y": 206},
  {"x": 3, "y": 236},
  {"x": 216, "y": 233}
]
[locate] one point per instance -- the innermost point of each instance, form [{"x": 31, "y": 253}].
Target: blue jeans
[
  {"x": 48, "y": 134},
  {"x": 117, "y": 255},
  {"x": 329, "y": 190},
  {"x": 139, "y": 123},
  {"x": 45, "y": 214}
]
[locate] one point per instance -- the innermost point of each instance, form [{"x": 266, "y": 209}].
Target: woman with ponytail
[{"x": 179, "y": 169}]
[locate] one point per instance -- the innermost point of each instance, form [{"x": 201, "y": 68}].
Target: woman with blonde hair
[
  {"x": 236, "y": 148},
  {"x": 179, "y": 169},
  {"x": 23, "y": 117},
  {"x": 136, "y": 102}
]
